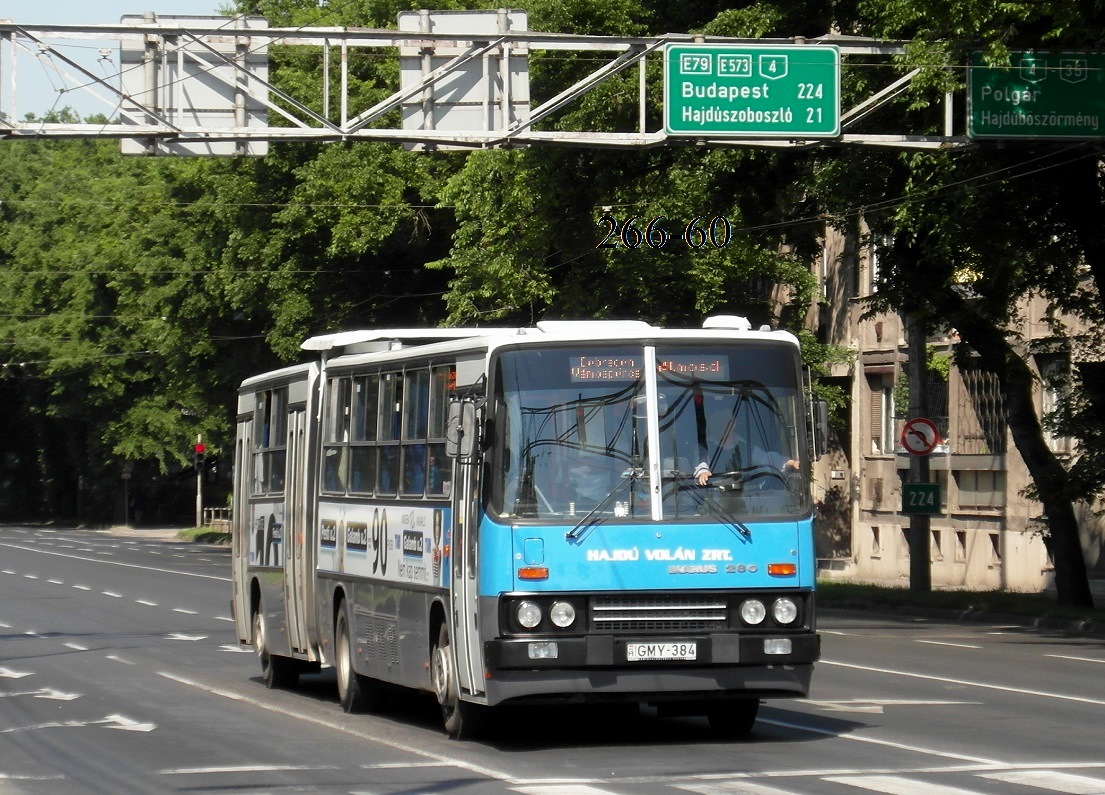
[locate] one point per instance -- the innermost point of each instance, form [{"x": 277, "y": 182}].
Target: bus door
[
  {"x": 240, "y": 528},
  {"x": 467, "y": 645},
  {"x": 295, "y": 575}
]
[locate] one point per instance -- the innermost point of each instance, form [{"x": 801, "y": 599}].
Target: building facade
[{"x": 987, "y": 533}]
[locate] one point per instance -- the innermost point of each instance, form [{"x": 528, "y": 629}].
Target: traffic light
[{"x": 197, "y": 457}]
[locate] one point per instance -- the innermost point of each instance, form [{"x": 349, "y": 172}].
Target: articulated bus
[{"x": 591, "y": 511}]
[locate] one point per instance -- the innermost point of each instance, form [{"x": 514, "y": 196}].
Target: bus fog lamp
[
  {"x": 543, "y": 651},
  {"x": 562, "y": 614},
  {"x": 753, "y": 611},
  {"x": 784, "y": 611},
  {"x": 777, "y": 646},
  {"x": 529, "y": 614}
]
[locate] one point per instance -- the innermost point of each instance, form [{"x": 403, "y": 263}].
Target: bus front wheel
[
  {"x": 460, "y": 717},
  {"x": 733, "y": 718}
]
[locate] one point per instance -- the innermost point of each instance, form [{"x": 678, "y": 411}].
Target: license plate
[{"x": 646, "y": 652}]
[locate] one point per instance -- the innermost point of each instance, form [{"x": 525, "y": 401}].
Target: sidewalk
[{"x": 126, "y": 531}]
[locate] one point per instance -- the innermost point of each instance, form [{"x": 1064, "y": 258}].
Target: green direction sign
[
  {"x": 920, "y": 498},
  {"x": 752, "y": 90},
  {"x": 1039, "y": 95}
]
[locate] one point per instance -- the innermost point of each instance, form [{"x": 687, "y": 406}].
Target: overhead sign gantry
[{"x": 187, "y": 85}]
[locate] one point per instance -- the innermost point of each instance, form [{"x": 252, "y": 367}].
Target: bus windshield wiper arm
[
  {"x": 720, "y": 513},
  {"x": 576, "y": 533}
]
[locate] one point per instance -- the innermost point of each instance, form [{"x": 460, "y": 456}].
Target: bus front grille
[{"x": 658, "y": 613}]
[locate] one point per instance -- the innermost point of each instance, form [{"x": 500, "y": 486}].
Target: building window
[
  {"x": 882, "y": 414},
  {"x": 1055, "y": 376},
  {"x": 981, "y": 489}
]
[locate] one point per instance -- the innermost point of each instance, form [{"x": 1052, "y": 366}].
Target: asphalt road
[{"x": 120, "y": 673}]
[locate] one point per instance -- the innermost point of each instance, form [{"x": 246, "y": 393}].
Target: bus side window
[
  {"x": 366, "y": 409},
  {"x": 391, "y": 397}
]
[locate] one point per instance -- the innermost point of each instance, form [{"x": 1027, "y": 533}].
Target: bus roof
[{"x": 385, "y": 339}]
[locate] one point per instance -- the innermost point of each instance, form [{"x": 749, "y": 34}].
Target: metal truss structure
[{"x": 146, "y": 101}]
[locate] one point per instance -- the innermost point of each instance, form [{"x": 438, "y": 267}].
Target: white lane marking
[
  {"x": 302, "y": 717},
  {"x": 236, "y": 649},
  {"x": 224, "y": 618},
  {"x": 112, "y": 594},
  {"x": 118, "y": 659},
  {"x": 82, "y": 587},
  {"x": 202, "y": 771},
  {"x": 896, "y": 785},
  {"x": 116, "y": 563},
  {"x": 123, "y": 723},
  {"x": 76, "y": 647},
  {"x": 400, "y": 765},
  {"x": 180, "y": 636},
  {"x": 1052, "y": 780},
  {"x": 55, "y": 582},
  {"x": 978, "y": 760},
  {"x": 949, "y": 643},
  {"x": 146, "y": 602},
  {"x": 31, "y": 576},
  {"x": 967, "y": 683},
  {"x": 876, "y": 706},
  {"x": 110, "y": 722},
  {"x": 8, "y": 673},
  {"x": 182, "y": 610},
  {"x": 6, "y": 571},
  {"x": 1076, "y": 659}
]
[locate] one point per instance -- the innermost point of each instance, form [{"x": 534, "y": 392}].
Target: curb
[{"x": 1069, "y": 626}]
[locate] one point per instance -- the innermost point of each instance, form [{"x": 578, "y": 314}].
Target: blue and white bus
[{"x": 601, "y": 511}]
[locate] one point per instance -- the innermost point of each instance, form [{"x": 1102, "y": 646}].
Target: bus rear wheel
[
  {"x": 461, "y": 718},
  {"x": 358, "y": 693},
  {"x": 276, "y": 671}
]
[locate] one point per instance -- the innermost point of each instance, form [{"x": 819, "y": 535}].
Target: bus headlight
[
  {"x": 784, "y": 611},
  {"x": 528, "y": 614},
  {"x": 753, "y": 611},
  {"x": 562, "y": 614}
]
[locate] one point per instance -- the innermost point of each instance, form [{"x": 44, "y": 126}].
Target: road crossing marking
[
  {"x": 561, "y": 789},
  {"x": 1052, "y": 780},
  {"x": 734, "y": 788},
  {"x": 896, "y": 785}
]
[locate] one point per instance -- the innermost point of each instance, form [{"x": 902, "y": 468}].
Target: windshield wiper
[
  {"x": 628, "y": 477},
  {"x": 711, "y": 508}
]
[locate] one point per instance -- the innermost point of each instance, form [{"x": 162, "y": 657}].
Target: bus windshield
[{"x": 573, "y": 430}]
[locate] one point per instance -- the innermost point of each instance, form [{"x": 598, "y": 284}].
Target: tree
[{"x": 970, "y": 242}]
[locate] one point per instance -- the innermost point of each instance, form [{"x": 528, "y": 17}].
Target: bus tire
[
  {"x": 733, "y": 719},
  {"x": 276, "y": 671},
  {"x": 461, "y": 718},
  {"x": 357, "y": 693}
]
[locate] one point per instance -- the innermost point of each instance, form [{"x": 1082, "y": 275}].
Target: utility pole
[
  {"x": 920, "y": 570},
  {"x": 197, "y": 461}
]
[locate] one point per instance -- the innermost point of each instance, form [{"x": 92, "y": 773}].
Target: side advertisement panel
[{"x": 398, "y": 544}]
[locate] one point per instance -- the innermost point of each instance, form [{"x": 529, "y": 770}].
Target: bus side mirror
[
  {"x": 820, "y": 428},
  {"x": 461, "y": 430}
]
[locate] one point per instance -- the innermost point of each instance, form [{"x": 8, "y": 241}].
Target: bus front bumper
[
  {"x": 598, "y": 668},
  {"x": 606, "y": 651}
]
